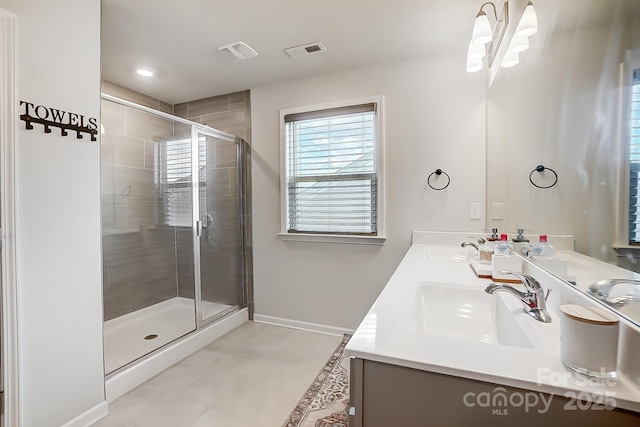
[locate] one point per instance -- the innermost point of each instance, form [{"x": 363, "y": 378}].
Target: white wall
[
  {"x": 434, "y": 118},
  {"x": 58, "y": 214}
]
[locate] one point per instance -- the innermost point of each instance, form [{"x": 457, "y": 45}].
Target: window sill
[
  {"x": 333, "y": 238},
  {"x": 626, "y": 247}
]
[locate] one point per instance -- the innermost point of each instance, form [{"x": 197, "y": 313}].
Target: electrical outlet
[
  {"x": 474, "y": 211},
  {"x": 497, "y": 210}
]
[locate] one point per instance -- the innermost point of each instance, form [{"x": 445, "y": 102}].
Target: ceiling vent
[
  {"x": 305, "y": 50},
  {"x": 240, "y": 50}
]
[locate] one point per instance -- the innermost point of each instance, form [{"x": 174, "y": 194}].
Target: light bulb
[
  {"x": 474, "y": 64},
  {"x": 510, "y": 60},
  {"x": 528, "y": 24},
  {"x": 519, "y": 44},
  {"x": 482, "y": 33}
]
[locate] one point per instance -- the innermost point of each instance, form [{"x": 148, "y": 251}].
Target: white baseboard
[
  {"x": 298, "y": 324},
  {"x": 89, "y": 417},
  {"x": 128, "y": 379}
]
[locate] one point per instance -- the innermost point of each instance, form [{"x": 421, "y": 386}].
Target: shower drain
[{"x": 151, "y": 337}]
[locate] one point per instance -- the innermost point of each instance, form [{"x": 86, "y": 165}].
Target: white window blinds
[
  {"x": 176, "y": 179},
  {"x": 332, "y": 177},
  {"x": 634, "y": 158}
]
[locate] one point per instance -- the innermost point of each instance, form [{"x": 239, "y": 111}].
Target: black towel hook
[
  {"x": 541, "y": 169},
  {"x": 437, "y": 173}
]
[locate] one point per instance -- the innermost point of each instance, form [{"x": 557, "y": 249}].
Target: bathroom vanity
[{"x": 436, "y": 349}]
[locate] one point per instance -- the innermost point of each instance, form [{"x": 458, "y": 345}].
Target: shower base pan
[{"x": 130, "y": 337}]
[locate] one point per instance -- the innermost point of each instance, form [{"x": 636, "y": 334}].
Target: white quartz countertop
[{"x": 397, "y": 330}]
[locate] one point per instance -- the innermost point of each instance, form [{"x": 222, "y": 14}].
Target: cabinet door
[
  {"x": 398, "y": 396},
  {"x": 355, "y": 392}
]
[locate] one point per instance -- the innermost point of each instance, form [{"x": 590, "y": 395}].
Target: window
[
  {"x": 332, "y": 177},
  {"x": 634, "y": 154},
  {"x": 175, "y": 173}
]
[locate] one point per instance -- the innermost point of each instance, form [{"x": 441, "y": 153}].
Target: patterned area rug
[{"x": 326, "y": 401}]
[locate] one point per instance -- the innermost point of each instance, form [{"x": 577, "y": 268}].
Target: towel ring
[
  {"x": 437, "y": 173},
  {"x": 541, "y": 169}
]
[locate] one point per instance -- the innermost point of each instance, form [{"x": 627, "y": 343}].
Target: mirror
[{"x": 567, "y": 106}]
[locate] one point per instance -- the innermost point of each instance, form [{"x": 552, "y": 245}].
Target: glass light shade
[
  {"x": 510, "y": 60},
  {"x": 482, "y": 33},
  {"x": 476, "y": 51},
  {"x": 519, "y": 44},
  {"x": 474, "y": 64},
  {"x": 528, "y": 24}
]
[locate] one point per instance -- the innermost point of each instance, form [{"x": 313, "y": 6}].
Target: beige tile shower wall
[
  {"x": 139, "y": 255},
  {"x": 137, "y": 97},
  {"x": 229, "y": 113}
]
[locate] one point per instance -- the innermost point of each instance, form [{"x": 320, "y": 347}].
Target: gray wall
[{"x": 434, "y": 117}]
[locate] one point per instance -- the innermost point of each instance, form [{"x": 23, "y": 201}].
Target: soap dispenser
[
  {"x": 543, "y": 248},
  {"x": 494, "y": 236},
  {"x": 504, "y": 247},
  {"x": 521, "y": 243}
]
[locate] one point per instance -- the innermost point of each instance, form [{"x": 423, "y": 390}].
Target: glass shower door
[
  {"x": 218, "y": 236},
  {"x": 147, "y": 229}
]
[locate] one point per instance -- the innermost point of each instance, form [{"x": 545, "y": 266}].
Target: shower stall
[{"x": 174, "y": 239}]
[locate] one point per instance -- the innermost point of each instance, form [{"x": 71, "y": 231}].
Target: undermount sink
[{"x": 469, "y": 314}]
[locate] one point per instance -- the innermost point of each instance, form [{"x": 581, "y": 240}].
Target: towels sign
[{"x": 52, "y": 117}]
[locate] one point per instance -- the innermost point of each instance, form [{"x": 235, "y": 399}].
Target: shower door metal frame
[
  {"x": 195, "y": 193},
  {"x": 196, "y": 131}
]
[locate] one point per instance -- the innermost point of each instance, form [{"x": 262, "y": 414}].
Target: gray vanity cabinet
[{"x": 385, "y": 395}]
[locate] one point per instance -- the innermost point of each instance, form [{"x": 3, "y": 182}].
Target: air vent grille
[{"x": 305, "y": 49}]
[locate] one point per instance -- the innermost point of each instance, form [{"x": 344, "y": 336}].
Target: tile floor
[{"x": 251, "y": 377}]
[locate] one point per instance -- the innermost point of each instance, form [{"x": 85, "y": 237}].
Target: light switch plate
[
  {"x": 474, "y": 211},
  {"x": 497, "y": 210}
]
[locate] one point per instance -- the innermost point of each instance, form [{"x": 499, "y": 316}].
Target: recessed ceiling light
[{"x": 144, "y": 72}]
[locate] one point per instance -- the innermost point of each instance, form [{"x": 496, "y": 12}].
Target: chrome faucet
[
  {"x": 465, "y": 244},
  {"x": 533, "y": 299},
  {"x": 481, "y": 241},
  {"x": 601, "y": 290}
]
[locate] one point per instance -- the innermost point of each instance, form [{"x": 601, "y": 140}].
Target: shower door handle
[
  {"x": 202, "y": 226},
  {"x": 207, "y": 220}
]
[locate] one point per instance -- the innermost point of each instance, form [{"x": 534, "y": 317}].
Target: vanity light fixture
[
  {"x": 528, "y": 24},
  {"x": 510, "y": 59},
  {"x": 482, "y": 32},
  {"x": 518, "y": 44},
  {"x": 476, "y": 51},
  {"x": 474, "y": 64},
  {"x": 485, "y": 38}
]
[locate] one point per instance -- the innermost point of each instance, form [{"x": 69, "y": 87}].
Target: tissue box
[
  {"x": 556, "y": 266},
  {"x": 506, "y": 262}
]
